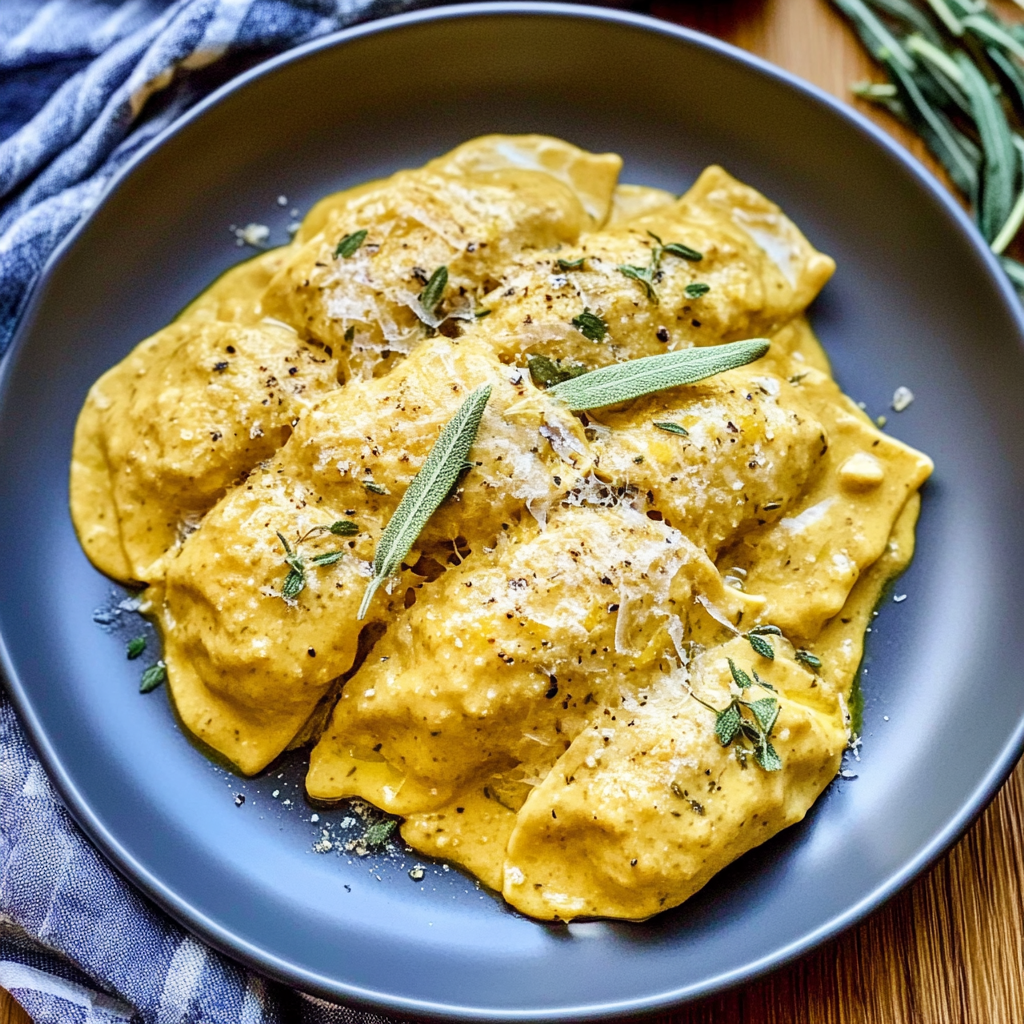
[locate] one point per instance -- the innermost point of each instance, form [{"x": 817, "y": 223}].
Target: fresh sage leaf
[
  {"x": 1001, "y": 161},
  {"x": 622, "y": 382},
  {"x": 428, "y": 489}
]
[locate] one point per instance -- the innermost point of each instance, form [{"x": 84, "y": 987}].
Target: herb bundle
[{"x": 956, "y": 77}]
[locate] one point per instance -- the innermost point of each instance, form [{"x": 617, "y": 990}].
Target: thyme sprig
[
  {"x": 749, "y": 723},
  {"x": 651, "y": 274},
  {"x": 295, "y": 581}
]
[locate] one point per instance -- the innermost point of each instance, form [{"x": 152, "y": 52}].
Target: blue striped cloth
[{"x": 84, "y": 84}]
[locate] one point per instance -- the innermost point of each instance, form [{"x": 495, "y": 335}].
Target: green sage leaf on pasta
[
  {"x": 622, "y": 382},
  {"x": 430, "y": 486}
]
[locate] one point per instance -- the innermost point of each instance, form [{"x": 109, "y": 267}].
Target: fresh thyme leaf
[
  {"x": 343, "y": 528},
  {"x": 590, "y": 325},
  {"x": 766, "y": 630},
  {"x": 328, "y": 558},
  {"x": 761, "y": 646},
  {"x": 740, "y": 677},
  {"x": 481, "y": 313},
  {"x": 766, "y": 757},
  {"x": 548, "y": 372},
  {"x": 428, "y": 489},
  {"x": 153, "y": 677},
  {"x": 697, "y": 289},
  {"x": 430, "y": 297},
  {"x": 622, "y": 382},
  {"x": 349, "y": 244},
  {"x": 672, "y": 428},
  {"x": 350, "y": 333},
  {"x": 296, "y": 578},
  {"x": 379, "y": 833},
  {"x": 645, "y": 275},
  {"x": 684, "y": 252},
  {"x": 811, "y": 660},
  {"x": 766, "y": 711},
  {"x": 135, "y": 647},
  {"x": 727, "y": 724},
  {"x": 294, "y": 583},
  {"x": 571, "y": 264},
  {"x": 376, "y": 488}
]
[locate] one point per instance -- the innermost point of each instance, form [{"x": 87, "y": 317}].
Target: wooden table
[{"x": 950, "y": 949}]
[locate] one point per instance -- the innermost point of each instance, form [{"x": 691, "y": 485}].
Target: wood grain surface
[{"x": 950, "y": 948}]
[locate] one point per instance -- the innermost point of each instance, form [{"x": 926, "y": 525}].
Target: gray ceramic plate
[{"x": 917, "y": 301}]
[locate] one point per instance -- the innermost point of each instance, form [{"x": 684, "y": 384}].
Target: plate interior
[{"x": 915, "y": 302}]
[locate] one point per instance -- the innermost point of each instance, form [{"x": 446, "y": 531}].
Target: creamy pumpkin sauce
[{"x": 537, "y": 690}]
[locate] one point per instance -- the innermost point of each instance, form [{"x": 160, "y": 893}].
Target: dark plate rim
[{"x": 251, "y": 955}]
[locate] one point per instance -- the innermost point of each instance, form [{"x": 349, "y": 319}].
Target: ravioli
[{"x": 619, "y": 651}]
